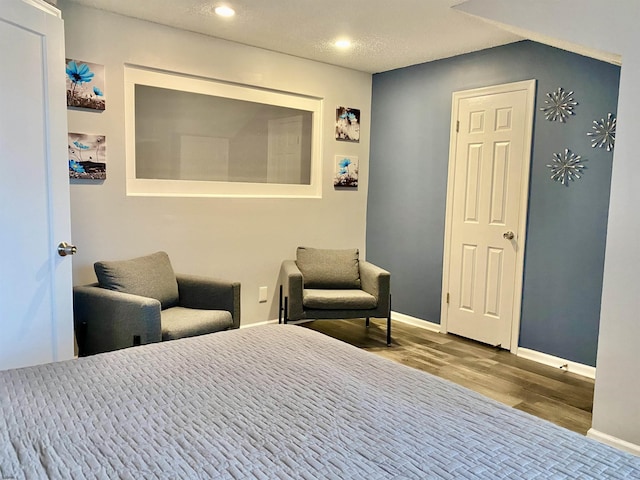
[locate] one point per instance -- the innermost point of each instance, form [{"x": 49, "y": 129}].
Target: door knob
[
  {"x": 65, "y": 249},
  {"x": 508, "y": 235}
]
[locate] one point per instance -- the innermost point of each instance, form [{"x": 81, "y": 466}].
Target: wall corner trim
[
  {"x": 416, "y": 322},
  {"x": 553, "y": 361},
  {"x": 614, "y": 441},
  {"x": 45, "y": 7}
]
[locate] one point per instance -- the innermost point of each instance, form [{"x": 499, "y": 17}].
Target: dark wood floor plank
[
  {"x": 575, "y": 396},
  {"x": 535, "y": 367},
  {"x": 558, "y": 413},
  {"x": 561, "y": 397}
]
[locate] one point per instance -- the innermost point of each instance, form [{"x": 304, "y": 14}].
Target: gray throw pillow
[
  {"x": 326, "y": 268},
  {"x": 150, "y": 276}
]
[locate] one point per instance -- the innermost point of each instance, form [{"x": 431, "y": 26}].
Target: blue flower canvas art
[
  {"x": 85, "y": 85},
  {"x": 348, "y": 124},
  {"x": 347, "y": 171},
  {"x": 87, "y": 155}
]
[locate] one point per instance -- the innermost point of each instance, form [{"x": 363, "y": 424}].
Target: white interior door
[
  {"x": 284, "y": 163},
  {"x": 36, "y": 321},
  {"x": 488, "y": 183}
]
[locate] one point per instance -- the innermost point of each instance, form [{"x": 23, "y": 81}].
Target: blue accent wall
[{"x": 564, "y": 257}]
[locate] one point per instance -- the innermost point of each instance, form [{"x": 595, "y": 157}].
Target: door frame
[{"x": 530, "y": 87}]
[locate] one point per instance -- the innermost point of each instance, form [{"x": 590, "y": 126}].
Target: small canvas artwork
[
  {"x": 347, "y": 171},
  {"x": 348, "y": 124},
  {"x": 87, "y": 156},
  {"x": 85, "y": 85}
]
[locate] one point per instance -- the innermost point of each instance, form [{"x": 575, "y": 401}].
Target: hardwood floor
[{"x": 561, "y": 397}]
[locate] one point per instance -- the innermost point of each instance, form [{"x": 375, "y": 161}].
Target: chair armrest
[
  {"x": 292, "y": 284},
  {"x": 206, "y": 293},
  {"x": 106, "y": 320},
  {"x": 377, "y": 282}
]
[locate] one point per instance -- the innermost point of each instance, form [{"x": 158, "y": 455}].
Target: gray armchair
[
  {"x": 333, "y": 284},
  {"x": 142, "y": 300}
]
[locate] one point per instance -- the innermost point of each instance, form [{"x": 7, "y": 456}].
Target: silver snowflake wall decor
[
  {"x": 566, "y": 166},
  {"x": 559, "y": 105},
  {"x": 604, "y": 133}
]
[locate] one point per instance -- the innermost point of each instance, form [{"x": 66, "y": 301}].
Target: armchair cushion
[
  {"x": 149, "y": 276},
  {"x": 328, "y": 268},
  {"x": 350, "y": 299},
  {"x": 180, "y": 322}
]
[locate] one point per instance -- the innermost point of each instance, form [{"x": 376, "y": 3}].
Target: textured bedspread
[{"x": 273, "y": 402}]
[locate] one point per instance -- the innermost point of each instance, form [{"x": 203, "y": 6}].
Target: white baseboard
[
  {"x": 614, "y": 441},
  {"x": 259, "y": 323},
  {"x": 573, "y": 367},
  {"x": 416, "y": 322},
  {"x": 400, "y": 317}
]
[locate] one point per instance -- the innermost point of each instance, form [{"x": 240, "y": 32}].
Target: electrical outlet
[{"x": 262, "y": 294}]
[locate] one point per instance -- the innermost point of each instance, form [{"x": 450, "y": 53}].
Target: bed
[{"x": 273, "y": 402}]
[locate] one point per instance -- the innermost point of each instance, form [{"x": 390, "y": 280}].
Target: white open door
[
  {"x": 486, "y": 212},
  {"x": 36, "y": 315},
  {"x": 284, "y": 162}
]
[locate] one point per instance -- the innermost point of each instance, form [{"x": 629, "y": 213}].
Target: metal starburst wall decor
[
  {"x": 604, "y": 133},
  {"x": 566, "y": 166},
  {"x": 559, "y": 105}
]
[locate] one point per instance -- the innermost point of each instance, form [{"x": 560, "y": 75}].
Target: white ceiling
[{"x": 385, "y": 34}]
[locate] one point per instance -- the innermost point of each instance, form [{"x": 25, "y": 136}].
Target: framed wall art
[
  {"x": 346, "y": 171},
  {"x": 348, "y": 124},
  {"x": 87, "y": 156},
  {"x": 85, "y": 85}
]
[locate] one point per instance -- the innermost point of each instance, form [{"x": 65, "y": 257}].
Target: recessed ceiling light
[
  {"x": 343, "y": 43},
  {"x": 225, "y": 11}
]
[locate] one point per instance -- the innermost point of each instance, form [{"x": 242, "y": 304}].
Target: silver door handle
[
  {"x": 508, "y": 235},
  {"x": 65, "y": 249}
]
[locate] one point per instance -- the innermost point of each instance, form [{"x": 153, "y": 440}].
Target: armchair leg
[
  {"x": 286, "y": 309},
  {"x": 389, "y": 324},
  {"x": 366, "y": 323},
  {"x": 283, "y": 307}
]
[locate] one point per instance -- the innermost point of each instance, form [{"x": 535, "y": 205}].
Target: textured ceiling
[{"x": 385, "y": 34}]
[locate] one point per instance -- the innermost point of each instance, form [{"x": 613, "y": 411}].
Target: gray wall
[
  {"x": 411, "y": 115},
  {"x": 243, "y": 239}
]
